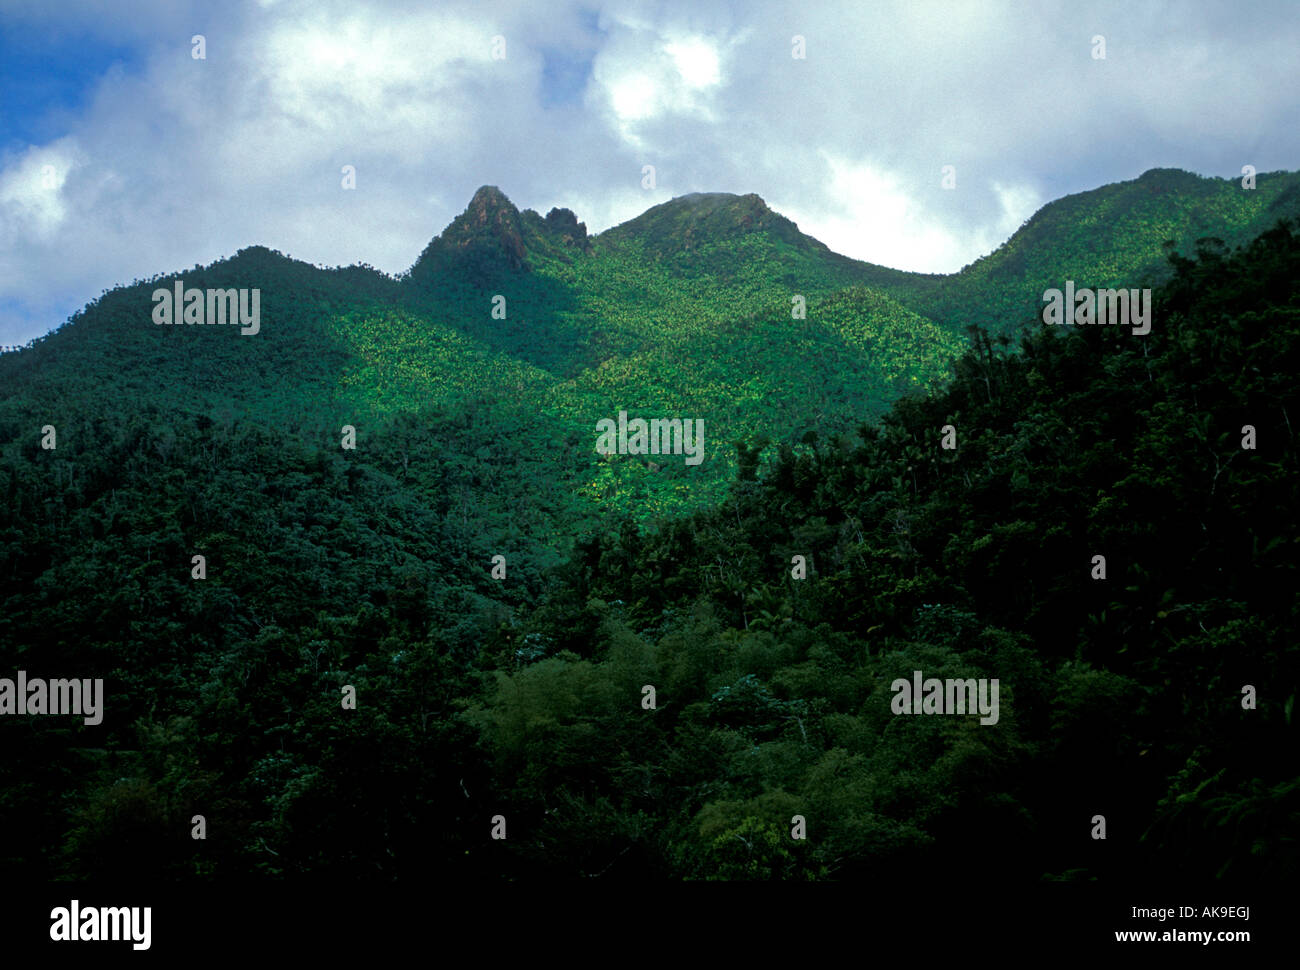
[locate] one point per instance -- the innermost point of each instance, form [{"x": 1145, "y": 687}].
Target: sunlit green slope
[{"x": 710, "y": 306}]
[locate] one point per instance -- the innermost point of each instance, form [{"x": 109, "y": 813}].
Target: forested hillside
[
  {"x": 522, "y": 695},
  {"x": 1124, "y": 694},
  {"x": 1109, "y": 236},
  {"x": 710, "y": 306}
]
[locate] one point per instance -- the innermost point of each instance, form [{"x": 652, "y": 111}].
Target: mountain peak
[
  {"x": 688, "y": 221},
  {"x": 564, "y": 224},
  {"x": 489, "y": 198},
  {"x": 486, "y": 236},
  {"x": 490, "y": 217},
  {"x": 493, "y": 237}
]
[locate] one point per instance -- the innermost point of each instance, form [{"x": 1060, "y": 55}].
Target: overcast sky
[{"x": 121, "y": 155}]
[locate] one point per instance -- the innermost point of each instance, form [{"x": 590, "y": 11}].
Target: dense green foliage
[
  {"x": 1109, "y": 236},
  {"x": 1124, "y": 694},
  {"x": 523, "y": 696}
]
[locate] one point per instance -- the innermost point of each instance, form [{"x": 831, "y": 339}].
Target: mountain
[
  {"x": 653, "y": 316},
  {"x": 1111, "y": 236},
  {"x": 492, "y": 235},
  {"x": 1127, "y": 691},
  {"x": 184, "y": 519},
  {"x": 703, "y": 218}
]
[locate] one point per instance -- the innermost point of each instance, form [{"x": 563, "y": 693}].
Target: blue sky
[
  {"x": 47, "y": 76},
  {"x": 122, "y": 156}
]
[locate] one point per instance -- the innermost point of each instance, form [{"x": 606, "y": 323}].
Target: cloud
[
  {"x": 166, "y": 161},
  {"x": 870, "y": 213},
  {"x": 32, "y": 204},
  {"x": 643, "y": 74},
  {"x": 696, "y": 60}
]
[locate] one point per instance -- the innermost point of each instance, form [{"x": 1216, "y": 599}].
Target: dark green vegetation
[{"x": 523, "y": 697}]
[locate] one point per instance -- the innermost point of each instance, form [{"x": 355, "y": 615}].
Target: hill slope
[
  {"x": 372, "y": 569},
  {"x": 709, "y": 306}
]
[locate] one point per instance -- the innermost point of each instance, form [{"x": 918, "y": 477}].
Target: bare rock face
[
  {"x": 492, "y": 237},
  {"x": 482, "y": 243},
  {"x": 489, "y": 219},
  {"x": 565, "y": 225}
]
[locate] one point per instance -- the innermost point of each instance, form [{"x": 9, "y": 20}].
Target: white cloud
[
  {"x": 173, "y": 162},
  {"x": 645, "y": 73},
  {"x": 870, "y": 214},
  {"x": 696, "y": 60},
  {"x": 32, "y": 202},
  {"x": 1018, "y": 203}
]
